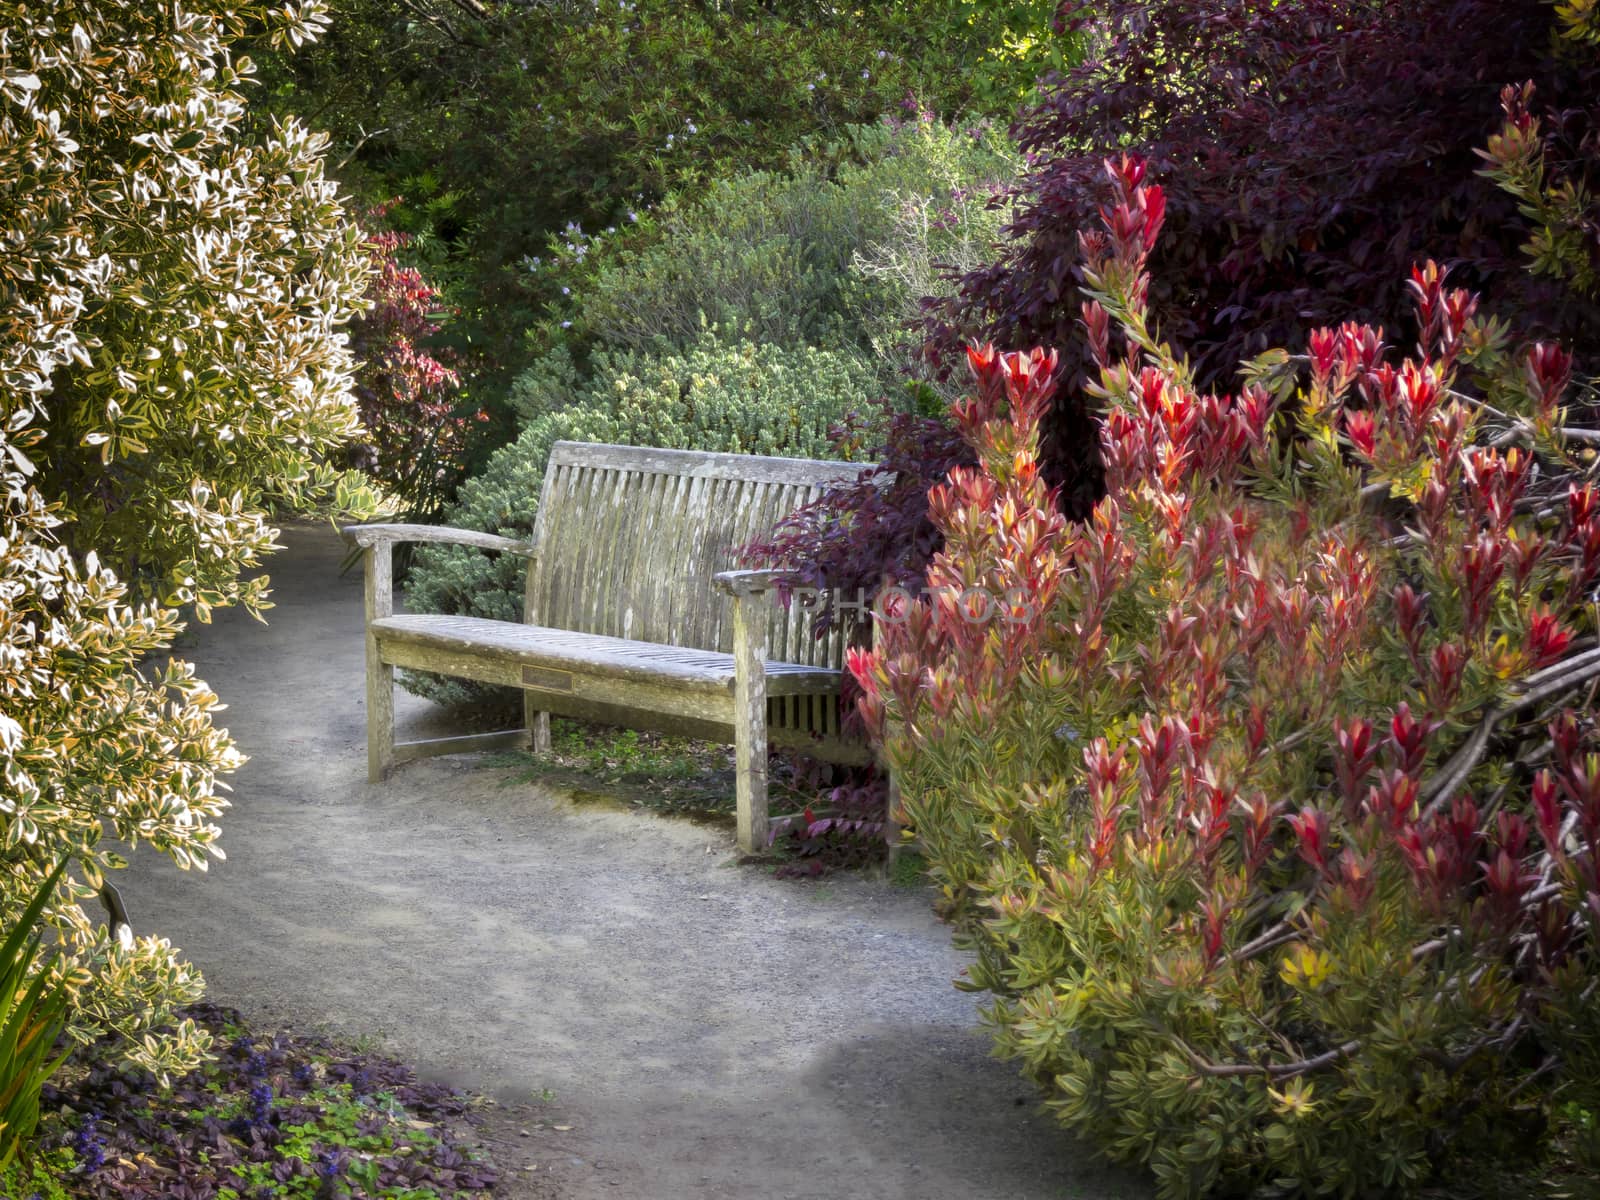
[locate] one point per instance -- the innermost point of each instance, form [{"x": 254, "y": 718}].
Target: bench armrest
[
  {"x": 747, "y": 583},
  {"x": 372, "y": 535}
]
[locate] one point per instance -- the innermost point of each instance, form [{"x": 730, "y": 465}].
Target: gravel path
[{"x": 706, "y": 1030}]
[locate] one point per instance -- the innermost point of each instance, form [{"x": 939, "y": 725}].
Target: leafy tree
[
  {"x": 171, "y": 363},
  {"x": 506, "y": 124}
]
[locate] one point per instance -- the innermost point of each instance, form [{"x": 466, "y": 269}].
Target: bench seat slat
[{"x": 597, "y": 654}]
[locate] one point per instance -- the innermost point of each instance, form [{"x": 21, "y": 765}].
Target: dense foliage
[
  {"x": 510, "y": 124},
  {"x": 1261, "y": 793},
  {"x": 1309, "y": 151},
  {"x": 1305, "y": 150},
  {"x": 170, "y": 364},
  {"x": 283, "y": 1116},
  {"x": 173, "y": 293}
]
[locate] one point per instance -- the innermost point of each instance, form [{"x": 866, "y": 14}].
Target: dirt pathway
[{"x": 705, "y": 1029}]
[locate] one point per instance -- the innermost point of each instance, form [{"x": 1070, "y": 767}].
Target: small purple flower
[
  {"x": 261, "y": 1103},
  {"x": 89, "y": 1146},
  {"x": 330, "y": 1165}
]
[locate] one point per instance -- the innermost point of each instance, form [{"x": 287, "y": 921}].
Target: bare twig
[
  {"x": 1552, "y": 681},
  {"x": 356, "y": 149},
  {"x": 1278, "y": 935},
  {"x": 1273, "y": 1071}
]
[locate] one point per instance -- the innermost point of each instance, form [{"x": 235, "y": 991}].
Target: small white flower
[{"x": 566, "y": 291}]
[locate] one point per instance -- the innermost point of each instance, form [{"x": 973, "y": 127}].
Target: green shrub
[
  {"x": 816, "y": 254},
  {"x": 739, "y": 398},
  {"x": 1260, "y": 794}
]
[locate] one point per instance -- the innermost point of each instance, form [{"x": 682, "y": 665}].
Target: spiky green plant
[{"x": 33, "y": 1011}]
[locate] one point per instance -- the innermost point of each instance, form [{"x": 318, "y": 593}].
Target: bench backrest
[{"x": 629, "y": 539}]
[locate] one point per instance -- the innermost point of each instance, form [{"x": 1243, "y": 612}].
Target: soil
[{"x": 650, "y": 1019}]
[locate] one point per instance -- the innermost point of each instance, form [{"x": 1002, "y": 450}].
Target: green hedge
[{"x": 798, "y": 257}]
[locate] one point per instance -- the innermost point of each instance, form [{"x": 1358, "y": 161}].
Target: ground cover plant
[
  {"x": 279, "y": 1116},
  {"x": 1266, "y": 794},
  {"x": 676, "y": 776},
  {"x": 826, "y": 818}
]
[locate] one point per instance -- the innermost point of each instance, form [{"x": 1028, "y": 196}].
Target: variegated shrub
[{"x": 171, "y": 365}]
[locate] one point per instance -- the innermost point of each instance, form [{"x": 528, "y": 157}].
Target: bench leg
[
  {"x": 378, "y": 601},
  {"x": 380, "y": 716},
  {"x": 891, "y": 819},
  {"x": 750, "y": 759},
  {"x": 750, "y": 722},
  {"x": 537, "y": 723}
]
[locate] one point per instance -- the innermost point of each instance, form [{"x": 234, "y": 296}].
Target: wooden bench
[{"x": 633, "y": 615}]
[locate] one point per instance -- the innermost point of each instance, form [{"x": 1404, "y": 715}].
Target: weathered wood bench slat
[
  {"x": 371, "y": 535},
  {"x": 634, "y": 613},
  {"x": 621, "y": 658}
]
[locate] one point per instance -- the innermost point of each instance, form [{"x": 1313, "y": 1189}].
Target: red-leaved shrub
[
  {"x": 1268, "y": 796},
  {"x": 416, "y": 434}
]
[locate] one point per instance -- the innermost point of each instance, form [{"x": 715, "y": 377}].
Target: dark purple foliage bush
[
  {"x": 1310, "y": 152},
  {"x": 1307, "y": 151}
]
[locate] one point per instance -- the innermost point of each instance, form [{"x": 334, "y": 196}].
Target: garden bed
[{"x": 283, "y": 1115}]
